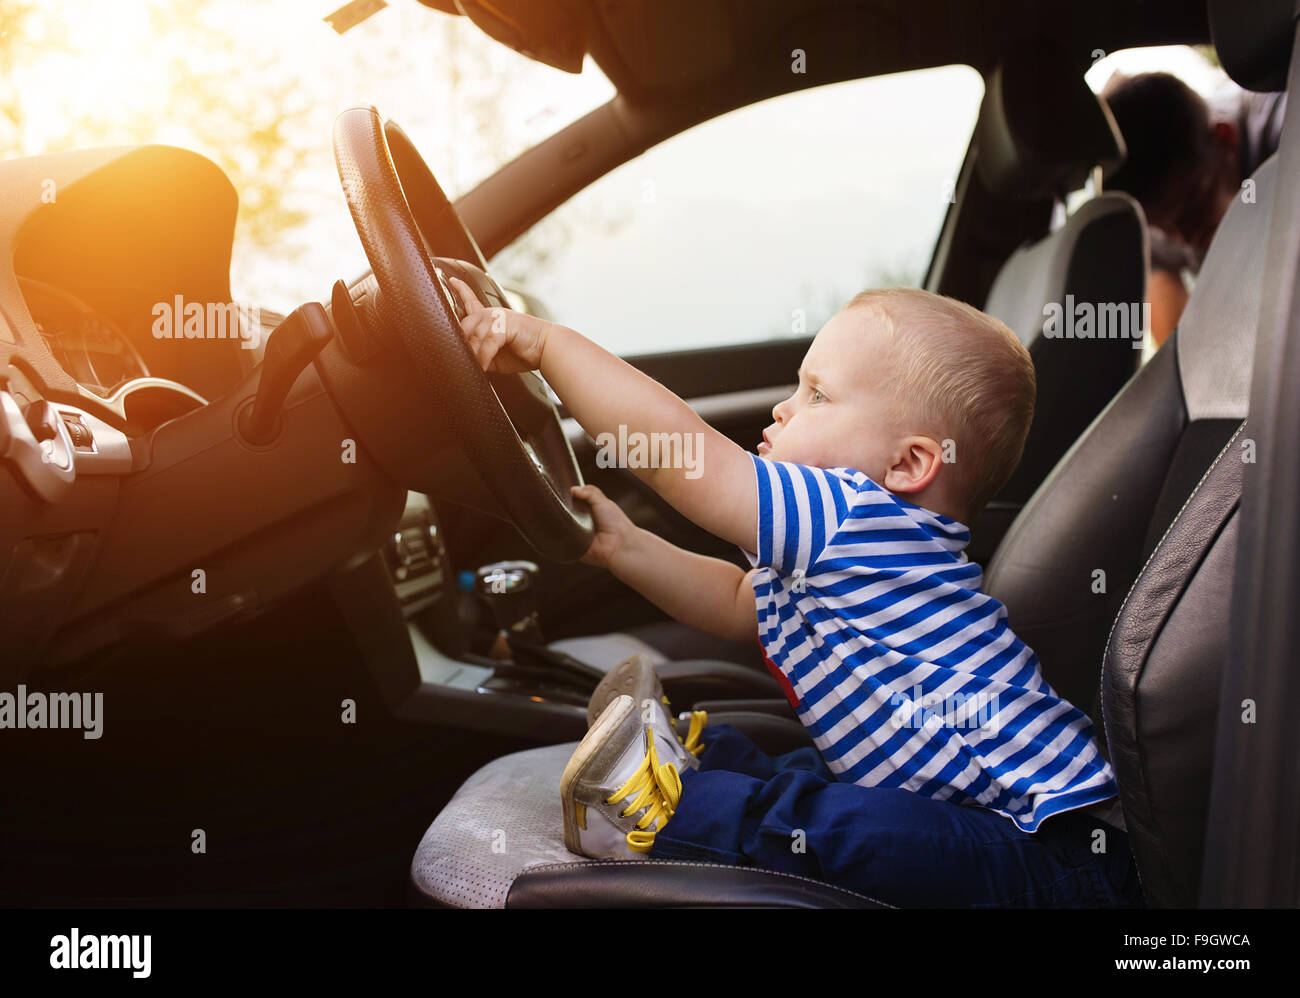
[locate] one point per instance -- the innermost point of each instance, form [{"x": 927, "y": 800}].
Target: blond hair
[{"x": 962, "y": 375}]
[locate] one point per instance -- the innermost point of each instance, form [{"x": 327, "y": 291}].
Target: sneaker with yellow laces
[
  {"x": 616, "y": 792},
  {"x": 636, "y": 677}
]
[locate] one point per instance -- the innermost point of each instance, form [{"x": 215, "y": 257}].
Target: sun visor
[{"x": 552, "y": 32}]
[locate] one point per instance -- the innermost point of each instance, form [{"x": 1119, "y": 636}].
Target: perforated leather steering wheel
[{"x": 518, "y": 449}]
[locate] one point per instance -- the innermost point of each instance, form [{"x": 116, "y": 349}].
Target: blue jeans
[{"x": 789, "y": 813}]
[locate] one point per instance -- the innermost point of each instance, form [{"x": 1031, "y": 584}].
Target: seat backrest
[
  {"x": 1095, "y": 264},
  {"x": 1121, "y": 564},
  {"x": 1163, "y": 671}
]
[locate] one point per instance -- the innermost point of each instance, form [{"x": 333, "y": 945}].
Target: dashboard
[
  {"x": 88, "y": 345},
  {"x": 95, "y": 352},
  {"x": 125, "y": 472},
  {"x": 96, "y": 239},
  {"x": 120, "y": 467}
]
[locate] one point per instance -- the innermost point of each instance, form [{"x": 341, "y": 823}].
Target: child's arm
[
  {"x": 605, "y": 393},
  {"x": 706, "y": 593}
]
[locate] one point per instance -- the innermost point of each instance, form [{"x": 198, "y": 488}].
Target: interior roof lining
[{"x": 975, "y": 34}]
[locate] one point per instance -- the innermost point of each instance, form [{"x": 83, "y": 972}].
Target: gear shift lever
[{"x": 508, "y": 587}]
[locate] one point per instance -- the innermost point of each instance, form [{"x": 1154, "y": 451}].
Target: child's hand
[
  {"x": 502, "y": 339},
  {"x": 612, "y": 526}
]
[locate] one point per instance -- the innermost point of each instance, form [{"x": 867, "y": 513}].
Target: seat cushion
[
  {"x": 503, "y": 820},
  {"x": 500, "y": 841}
]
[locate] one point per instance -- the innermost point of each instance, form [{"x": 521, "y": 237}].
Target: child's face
[{"x": 838, "y": 415}]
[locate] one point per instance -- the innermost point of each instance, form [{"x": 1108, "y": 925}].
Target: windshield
[{"x": 256, "y": 86}]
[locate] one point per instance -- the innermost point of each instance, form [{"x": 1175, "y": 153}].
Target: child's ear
[{"x": 916, "y": 464}]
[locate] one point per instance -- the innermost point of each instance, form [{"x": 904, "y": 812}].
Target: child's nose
[{"x": 780, "y": 410}]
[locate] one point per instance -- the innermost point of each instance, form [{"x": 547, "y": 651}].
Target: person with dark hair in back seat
[{"x": 1187, "y": 159}]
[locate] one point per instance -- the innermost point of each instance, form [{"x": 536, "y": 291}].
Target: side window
[{"x": 759, "y": 223}]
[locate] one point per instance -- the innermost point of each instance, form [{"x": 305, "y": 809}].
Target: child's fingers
[
  {"x": 600, "y": 503},
  {"x": 467, "y": 296},
  {"x": 479, "y": 336},
  {"x": 479, "y": 325}
]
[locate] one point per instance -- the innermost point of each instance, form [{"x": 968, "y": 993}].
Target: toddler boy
[{"x": 942, "y": 753}]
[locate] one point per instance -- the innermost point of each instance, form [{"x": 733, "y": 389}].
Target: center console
[
  {"x": 412, "y": 617},
  {"x": 405, "y": 608}
]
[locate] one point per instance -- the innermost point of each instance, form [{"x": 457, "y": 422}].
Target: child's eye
[{"x": 817, "y": 395}]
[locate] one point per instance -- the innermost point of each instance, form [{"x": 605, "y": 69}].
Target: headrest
[
  {"x": 1041, "y": 129},
  {"x": 1254, "y": 43}
]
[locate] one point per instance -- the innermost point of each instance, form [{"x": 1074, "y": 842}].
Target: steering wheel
[{"x": 518, "y": 448}]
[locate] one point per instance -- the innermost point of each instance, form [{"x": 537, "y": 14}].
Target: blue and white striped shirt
[{"x": 904, "y": 672}]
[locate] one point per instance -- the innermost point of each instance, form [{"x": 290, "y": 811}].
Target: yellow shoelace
[
  {"x": 699, "y": 719},
  {"x": 658, "y": 788}
]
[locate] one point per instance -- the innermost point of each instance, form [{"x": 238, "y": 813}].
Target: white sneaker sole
[
  {"x": 624, "y": 680},
  {"x": 613, "y": 715}
]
